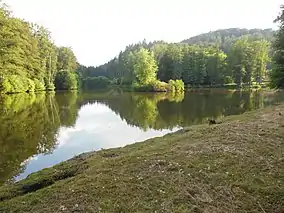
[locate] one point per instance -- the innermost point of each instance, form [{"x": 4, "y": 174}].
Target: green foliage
[
  {"x": 160, "y": 86},
  {"x": 50, "y": 87},
  {"x": 5, "y": 85},
  {"x": 277, "y": 73},
  {"x": 31, "y": 85},
  {"x": 142, "y": 88},
  {"x": 225, "y": 38},
  {"x": 65, "y": 80},
  {"x": 39, "y": 86},
  {"x": 245, "y": 61},
  {"x": 66, "y": 59},
  {"x": 248, "y": 61},
  {"x": 144, "y": 66},
  {"x": 228, "y": 80},
  {"x": 16, "y": 84},
  {"x": 27, "y": 53},
  {"x": 100, "y": 82},
  {"x": 176, "y": 86}
]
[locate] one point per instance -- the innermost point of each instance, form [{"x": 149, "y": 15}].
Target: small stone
[
  {"x": 63, "y": 208},
  {"x": 76, "y": 205}
]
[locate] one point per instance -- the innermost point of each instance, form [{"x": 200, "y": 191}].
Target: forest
[
  {"x": 30, "y": 61},
  {"x": 246, "y": 61},
  {"x": 226, "y": 37},
  {"x": 239, "y": 57}
]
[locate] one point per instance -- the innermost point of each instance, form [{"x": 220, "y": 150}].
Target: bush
[
  {"x": 100, "y": 82},
  {"x": 50, "y": 87},
  {"x": 39, "y": 86},
  {"x": 16, "y": 84},
  {"x": 176, "y": 86},
  {"x": 65, "y": 80},
  {"x": 31, "y": 85},
  {"x": 19, "y": 84},
  {"x": 5, "y": 86},
  {"x": 160, "y": 86},
  {"x": 156, "y": 86}
]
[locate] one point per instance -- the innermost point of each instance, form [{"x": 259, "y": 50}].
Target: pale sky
[{"x": 98, "y": 29}]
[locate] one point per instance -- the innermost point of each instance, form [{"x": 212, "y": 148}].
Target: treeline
[
  {"x": 245, "y": 63},
  {"x": 277, "y": 74},
  {"x": 29, "y": 59},
  {"x": 225, "y": 38}
]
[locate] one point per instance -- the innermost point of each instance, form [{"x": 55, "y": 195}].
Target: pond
[{"x": 40, "y": 130}]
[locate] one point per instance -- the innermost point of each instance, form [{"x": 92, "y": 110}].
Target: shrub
[
  {"x": 100, "y": 82},
  {"x": 31, "y": 85},
  {"x": 5, "y": 86},
  {"x": 50, "y": 87},
  {"x": 16, "y": 84},
  {"x": 176, "y": 86},
  {"x": 160, "y": 86},
  {"x": 155, "y": 86},
  {"x": 39, "y": 86},
  {"x": 19, "y": 84}
]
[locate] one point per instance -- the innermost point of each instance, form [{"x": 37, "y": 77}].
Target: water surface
[{"x": 41, "y": 130}]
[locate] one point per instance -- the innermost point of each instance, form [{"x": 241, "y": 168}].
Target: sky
[
  {"x": 98, "y": 29},
  {"x": 95, "y": 128}
]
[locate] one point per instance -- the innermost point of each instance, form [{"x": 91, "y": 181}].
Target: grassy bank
[{"x": 235, "y": 166}]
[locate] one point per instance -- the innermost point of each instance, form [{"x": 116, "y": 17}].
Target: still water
[{"x": 41, "y": 130}]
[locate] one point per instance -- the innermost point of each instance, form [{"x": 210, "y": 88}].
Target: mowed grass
[{"x": 235, "y": 166}]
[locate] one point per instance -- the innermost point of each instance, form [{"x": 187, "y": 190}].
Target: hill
[
  {"x": 225, "y": 37},
  {"x": 176, "y": 60}
]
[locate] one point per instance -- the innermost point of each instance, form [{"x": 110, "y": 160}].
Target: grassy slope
[{"x": 236, "y": 166}]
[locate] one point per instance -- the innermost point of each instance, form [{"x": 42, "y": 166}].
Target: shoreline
[{"x": 229, "y": 167}]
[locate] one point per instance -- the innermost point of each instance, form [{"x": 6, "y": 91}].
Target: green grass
[{"x": 235, "y": 166}]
